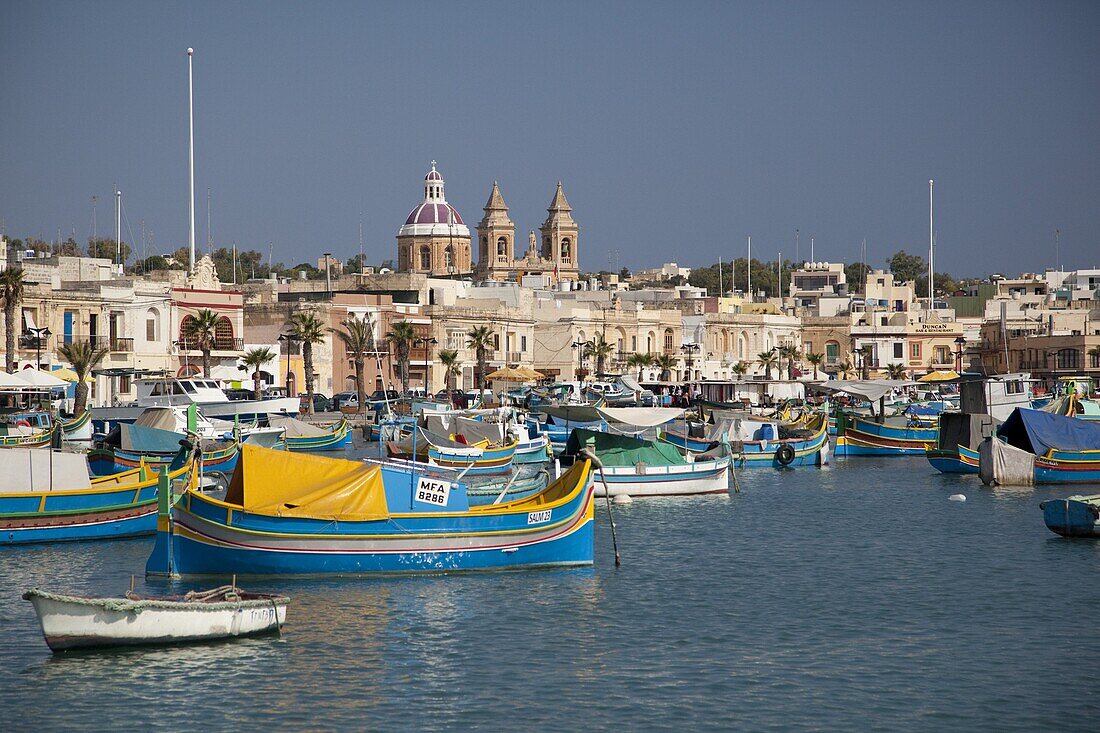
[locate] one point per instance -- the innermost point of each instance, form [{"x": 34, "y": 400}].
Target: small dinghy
[{"x": 72, "y": 622}]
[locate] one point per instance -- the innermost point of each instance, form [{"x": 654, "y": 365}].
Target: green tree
[
  {"x": 449, "y": 359},
  {"x": 480, "y": 339},
  {"x": 666, "y": 363},
  {"x": 944, "y": 284},
  {"x": 105, "y": 248},
  {"x": 768, "y": 359},
  {"x": 791, "y": 353},
  {"x": 153, "y": 264},
  {"x": 200, "y": 332},
  {"x": 639, "y": 362},
  {"x": 11, "y": 291},
  {"x": 741, "y": 368},
  {"x": 402, "y": 335},
  {"x": 855, "y": 274},
  {"x": 906, "y": 267},
  {"x": 895, "y": 371},
  {"x": 308, "y": 329},
  {"x": 358, "y": 338},
  {"x": 844, "y": 369},
  {"x": 256, "y": 358},
  {"x": 599, "y": 348},
  {"x": 83, "y": 357},
  {"x": 814, "y": 360}
]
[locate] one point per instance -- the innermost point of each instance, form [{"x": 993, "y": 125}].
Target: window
[
  {"x": 914, "y": 351},
  {"x": 425, "y": 258},
  {"x": 897, "y": 350},
  {"x": 668, "y": 339},
  {"x": 1067, "y": 359},
  {"x": 151, "y": 319},
  {"x": 566, "y": 249},
  {"x": 124, "y": 383},
  {"x": 633, "y": 343},
  {"x": 523, "y": 343},
  {"x": 223, "y": 334},
  {"x": 1014, "y": 387},
  {"x": 1094, "y": 358},
  {"x": 832, "y": 351},
  {"x": 449, "y": 257},
  {"x": 456, "y": 339}
]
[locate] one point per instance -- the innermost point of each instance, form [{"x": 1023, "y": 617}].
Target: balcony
[
  {"x": 515, "y": 356},
  {"x": 30, "y": 341},
  {"x": 122, "y": 345},
  {"x": 220, "y": 344}
]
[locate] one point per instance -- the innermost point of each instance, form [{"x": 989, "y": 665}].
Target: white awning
[
  {"x": 642, "y": 417},
  {"x": 869, "y": 389},
  {"x": 35, "y": 378}
]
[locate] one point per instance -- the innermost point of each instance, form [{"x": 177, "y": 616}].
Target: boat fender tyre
[
  {"x": 22, "y": 424},
  {"x": 785, "y": 455}
]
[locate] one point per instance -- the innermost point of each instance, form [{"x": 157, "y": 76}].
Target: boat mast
[
  {"x": 118, "y": 228},
  {"x": 191, "y": 159},
  {"x": 748, "y": 270},
  {"x": 931, "y": 247}
]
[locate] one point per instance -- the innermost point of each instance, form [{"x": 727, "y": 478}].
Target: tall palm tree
[
  {"x": 307, "y": 328},
  {"x": 480, "y": 339},
  {"x": 401, "y": 335},
  {"x": 768, "y": 359},
  {"x": 256, "y": 358},
  {"x": 449, "y": 359},
  {"x": 844, "y": 369},
  {"x": 201, "y": 331},
  {"x": 895, "y": 371},
  {"x": 84, "y": 358},
  {"x": 814, "y": 360},
  {"x": 789, "y": 352},
  {"x": 600, "y": 348},
  {"x": 639, "y": 362},
  {"x": 358, "y": 339},
  {"x": 740, "y": 368},
  {"x": 11, "y": 290},
  {"x": 666, "y": 363}
]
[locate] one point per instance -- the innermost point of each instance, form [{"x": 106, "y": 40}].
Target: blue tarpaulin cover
[
  {"x": 1037, "y": 432},
  {"x": 935, "y": 408},
  {"x": 141, "y": 439}
]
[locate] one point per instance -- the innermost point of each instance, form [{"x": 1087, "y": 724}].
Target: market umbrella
[
  {"x": 10, "y": 381},
  {"x": 530, "y": 373},
  {"x": 508, "y": 374},
  {"x": 69, "y": 375},
  {"x": 35, "y": 378},
  {"x": 939, "y": 376}
]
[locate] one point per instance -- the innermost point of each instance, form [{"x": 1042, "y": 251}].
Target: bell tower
[
  {"x": 559, "y": 237},
  {"x": 496, "y": 235}
]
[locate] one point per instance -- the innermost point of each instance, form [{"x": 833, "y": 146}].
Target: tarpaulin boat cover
[
  {"x": 572, "y": 413},
  {"x": 929, "y": 410},
  {"x": 474, "y": 431},
  {"x": 1005, "y": 465},
  {"x": 425, "y": 438},
  {"x": 622, "y": 450},
  {"x": 642, "y": 417},
  {"x": 960, "y": 428},
  {"x": 284, "y": 484},
  {"x": 162, "y": 418},
  {"x": 870, "y": 389},
  {"x": 293, "y": 428},
  {"x": 631, "y": 384},
  {"x": 42, "y": 469},
  {"x": 1038, "y": 432},
  {"x": 142, "y": 439}
]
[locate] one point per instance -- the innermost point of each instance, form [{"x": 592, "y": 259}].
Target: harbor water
[{"x": 853, "y": 597}]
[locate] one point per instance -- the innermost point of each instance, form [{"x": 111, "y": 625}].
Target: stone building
[
  {"x": 434, "y": 240},
  {"x": 556, "y": 261}
]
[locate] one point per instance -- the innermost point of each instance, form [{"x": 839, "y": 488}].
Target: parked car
[
  {"x": 378, "y": 399},
  {"x": 345, "y": 399},
  {"x": 321, "y": 403}
]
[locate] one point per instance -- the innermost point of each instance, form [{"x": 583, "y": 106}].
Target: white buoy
[
  {"x": 623, "y": 499},
  {"x": 957, "y": 497}
]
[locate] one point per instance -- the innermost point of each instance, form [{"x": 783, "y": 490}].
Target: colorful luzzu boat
[
  {"x": 421, "y": 446},
  {"x": 22, "y": 436},
  {"x": 894, "y": 436},
  {"x": 960, "y": 434},
  {"x": 755, "y": 442},
  {"x": 130, "y": 446},
  {"x": 122, "y": 505},
  {"x": 1036, "y": 447},
  {"x": 340, "y": 517},
  {"x": 636, "y": 467},
  {"x": 302, "y": 436}
]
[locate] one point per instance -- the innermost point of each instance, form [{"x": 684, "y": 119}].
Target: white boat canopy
[{"x": 869, "y": 389}]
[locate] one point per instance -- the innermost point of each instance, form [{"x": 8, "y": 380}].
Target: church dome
[{"x": 434, "y": 216}]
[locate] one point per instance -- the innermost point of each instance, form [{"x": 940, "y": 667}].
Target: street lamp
[
  {"x": 580, "y": 346},
  {"x": 959, "y": 343},
  {"x": 289, "y": 340},
  {"x": 427, "y": 343},
  {"x": 39, "y": 333},
  {"x": 689, "y": 350}
]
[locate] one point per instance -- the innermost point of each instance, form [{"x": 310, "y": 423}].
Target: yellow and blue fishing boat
[
  {"x": 122, "y": 505},
  {"x": 891, "y": 436},
  {"x": 1036, "y": 447},
  {"x": 130, "y": 446},
  {"x": 482, "y": 457},
  {"x": 758, "y": 442},
  {"x": 302, "y": 436},
  {"x": 340, "y": 517}
]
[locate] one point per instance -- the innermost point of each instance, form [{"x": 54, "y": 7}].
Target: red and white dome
[{"x": 433, "y": 215}]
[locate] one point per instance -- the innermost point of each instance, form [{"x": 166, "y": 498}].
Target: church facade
[{"x": 435, "y": 241}]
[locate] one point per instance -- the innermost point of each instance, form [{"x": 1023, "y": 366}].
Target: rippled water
[{"x": 853, "y": 597}]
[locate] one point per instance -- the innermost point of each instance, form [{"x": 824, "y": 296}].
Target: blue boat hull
[
  {"x": 1071, "y": 518},
  {"x": 88, "y": 528}
]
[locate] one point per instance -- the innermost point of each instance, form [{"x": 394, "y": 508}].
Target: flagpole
[{"x": 191, "y": 157}]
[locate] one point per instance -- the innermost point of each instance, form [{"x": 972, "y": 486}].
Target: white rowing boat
[{"x": 70, "y": 622}]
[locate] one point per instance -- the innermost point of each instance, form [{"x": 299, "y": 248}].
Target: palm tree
[
  {"x": 865, "y": 351},
  {"x": 814, "y": 360},
  {"x": 84, "y": 358},
  {"x": 895, "y": 371},
  {"x": 401, "y": 335},
  {"x": 306, "y": 327},
  {"x": 11, "y": 290},
  {"x": 358, "y": 338},
  {"x": 740, "y": 368},
  {"x": 600, "y": 348},
  {"x": 256, "y": 358},
  {"x": 666, "y": 363},
  {"x": 768, "y": 359},
  {"x": 844, "y": 369},
  {"x": 639, "y": 362},
  {"x": 480, "y": 339},
  {"x": 790, "y": 352},
  {"x": 449, "y": 359},
  {"x": 201, "y": 331}
]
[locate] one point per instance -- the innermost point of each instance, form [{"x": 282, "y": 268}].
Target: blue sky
[{"x": 677, "y": 129}]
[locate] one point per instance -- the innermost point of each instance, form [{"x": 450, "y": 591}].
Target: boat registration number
[
  {"x": 536, "y": 517},
  {"x": 432, "y": 491}
]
